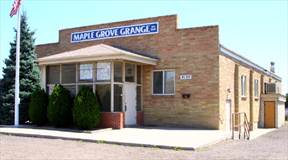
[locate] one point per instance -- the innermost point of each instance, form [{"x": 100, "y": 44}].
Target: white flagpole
[{"x": 17, "y": 68}]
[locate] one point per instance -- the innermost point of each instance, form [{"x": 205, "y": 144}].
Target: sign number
[{"x": 185, "y": 77}]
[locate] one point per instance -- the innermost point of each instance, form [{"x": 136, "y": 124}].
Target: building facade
[{"x": 149, "y": 71}]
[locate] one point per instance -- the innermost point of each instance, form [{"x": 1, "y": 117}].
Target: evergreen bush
[
  {"x": 38, "y": 107},
  {"x": 59, "y": 111},
  {"x": 86, "y": 111}
]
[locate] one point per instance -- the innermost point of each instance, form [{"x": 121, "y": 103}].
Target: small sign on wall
[{"x": 185, "y": 77}]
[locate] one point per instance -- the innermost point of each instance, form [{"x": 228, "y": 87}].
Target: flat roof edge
[{"x": 225, "y": 51}]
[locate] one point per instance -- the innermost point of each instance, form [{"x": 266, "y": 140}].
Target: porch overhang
[{"x": 97, "y": 53}]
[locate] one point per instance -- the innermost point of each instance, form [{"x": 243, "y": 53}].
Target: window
[
  {"x": 163, "y": 82},
  {"x": 265, "y": 88},
  {"x": 86, "y": 72},
  {"x": 103, "y": 93},
  {"x": 71, "y": 89},
  {"x": 256, "y": 88},
  {"x": 53, "y": 74},
  {"x": 117, "y": 98},
  {"x": 139, "y": 74},
  {"x": 90, "y": 86},
  {"x": 103, "y": 71},
  {"x": 243, "y": 86},
  {"x": 129, "y": 72},
  {"x": 68, "y": 73},
  {"x": 117, "y": 71}
]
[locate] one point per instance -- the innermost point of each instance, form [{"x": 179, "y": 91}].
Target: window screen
[
  {"x": 256, "y": 88},
  {"x": 103, "y": 93},
  {"x": 129, "y": 72},
  {"x": 81, "y": 86},
  {"x": 139, "y": 74},
  {"x": 71, "y": 89},
  {"x": 117, "y": 98},
  {"x": 158, "y": 82},
  {"x": 53, "y": 74},
  {"x": 68, "y": 73},
  {"x": 169, "y": 82},
  {"x": 118, "y": 71},
  {"x": 243, "y": 85}
]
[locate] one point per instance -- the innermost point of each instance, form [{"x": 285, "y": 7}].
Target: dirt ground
[{"x": 273, "y": 145}]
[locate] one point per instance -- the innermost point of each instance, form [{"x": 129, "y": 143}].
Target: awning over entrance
[{"x": 96, "y": 53}]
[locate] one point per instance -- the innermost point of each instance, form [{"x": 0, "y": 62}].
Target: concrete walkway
[{"x": 188, "y": 139}]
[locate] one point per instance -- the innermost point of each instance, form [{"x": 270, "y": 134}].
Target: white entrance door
[
  {"x": 228, "y": 115},
  {"x": 129, "y": 91}
]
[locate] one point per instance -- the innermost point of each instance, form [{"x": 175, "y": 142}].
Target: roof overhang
[
  {"x": 226, "y": 52},
  {"x": 96, "y": 53}
]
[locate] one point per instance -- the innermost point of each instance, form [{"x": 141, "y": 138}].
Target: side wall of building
[
  {"x": 230, "y": 73},
  {"x": 254, "y": 99},
  {"x": 226, "y": 88},
  {"x": 195, "y": 53}
]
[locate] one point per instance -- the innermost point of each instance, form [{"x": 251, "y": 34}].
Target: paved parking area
[
  {"x": 273, "y": 145},
  {"x": 160, "y": 137}
]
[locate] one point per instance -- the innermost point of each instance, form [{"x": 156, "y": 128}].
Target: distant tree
[
  {"x": 29, "y": 76},
  {"x": 286, "y": 103},
  {"x": 1, "y": 90}
]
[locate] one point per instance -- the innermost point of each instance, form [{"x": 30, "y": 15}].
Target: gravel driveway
[{"x": 273, "y": 145}]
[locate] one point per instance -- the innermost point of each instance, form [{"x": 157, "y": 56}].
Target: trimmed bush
[
  {"x": 59, "y": 111},
  {"x": 38, "y": 107},
  {"x": 86, "y": 111}
]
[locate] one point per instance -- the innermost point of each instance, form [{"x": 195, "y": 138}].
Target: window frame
[
  {"x": 256, "y": 88},
  {"x": 243, "y": 80},
  {"x": 163, "y": 84}
]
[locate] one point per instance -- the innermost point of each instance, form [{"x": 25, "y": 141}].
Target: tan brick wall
[
  {"x": 196, "y": 55},
  {"x": 230, "y": 78},
  {"x": 244, "y": 102},
  {"x": 187, "y": 51},
  {"x": 226, "y": 87},
  {"x": 254, "y": 100}
]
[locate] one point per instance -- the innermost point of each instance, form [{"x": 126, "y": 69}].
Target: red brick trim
[
  {"x": 112, "y": 120},
  {"x": 140, "y": 118}
]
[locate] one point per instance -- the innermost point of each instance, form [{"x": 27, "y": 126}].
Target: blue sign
[{"x": 115, "y": 32}]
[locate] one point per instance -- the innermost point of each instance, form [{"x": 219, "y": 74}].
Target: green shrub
[
  {"x": 38, "y": 107},
  {"x": 59, "y": 111},
  {"x": 86, "y": 111}
]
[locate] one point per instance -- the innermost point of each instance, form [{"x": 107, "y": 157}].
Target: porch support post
[
  {"x": 43, "y": 77},
  {"x": 76, "y": 78},
  {"x": 112, "y": 86}
]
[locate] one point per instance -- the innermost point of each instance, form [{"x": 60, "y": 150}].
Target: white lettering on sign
[
  {"x": 185, "y": 77},
  {"x": 116, "y": 32}
]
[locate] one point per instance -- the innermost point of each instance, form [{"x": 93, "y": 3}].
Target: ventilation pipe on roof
[{"x": 272, "y": 67}]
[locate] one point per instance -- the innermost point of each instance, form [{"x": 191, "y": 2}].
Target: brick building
[{"x": 150, "y": 72}]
